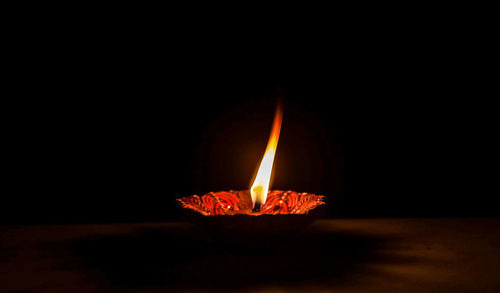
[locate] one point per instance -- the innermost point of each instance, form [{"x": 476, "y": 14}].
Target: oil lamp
[{"x": 258, "y": 200}]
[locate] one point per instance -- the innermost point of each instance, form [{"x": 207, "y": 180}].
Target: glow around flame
[{"x": 260, "y": 185}]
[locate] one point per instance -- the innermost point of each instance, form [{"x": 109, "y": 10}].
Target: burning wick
[{"x": 260, "y": 186}]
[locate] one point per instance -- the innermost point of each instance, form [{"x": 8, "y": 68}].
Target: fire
[{"x": 260, "y": 185}]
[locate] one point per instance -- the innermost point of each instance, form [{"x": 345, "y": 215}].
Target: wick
[{"x": 256, "y": 207}]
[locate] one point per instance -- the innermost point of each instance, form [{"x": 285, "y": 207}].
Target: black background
[{"x": 108, "y": 130}]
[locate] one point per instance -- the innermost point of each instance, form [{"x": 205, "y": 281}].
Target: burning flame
[{"x": 260, "y": 185}]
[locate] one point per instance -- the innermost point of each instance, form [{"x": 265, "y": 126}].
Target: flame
[{"x": 260, "y": 186}]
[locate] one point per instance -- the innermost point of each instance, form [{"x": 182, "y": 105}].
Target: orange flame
[{"x": 260, "y": 186}]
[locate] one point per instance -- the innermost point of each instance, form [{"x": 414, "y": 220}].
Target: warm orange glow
[{"x": 260, "y": 185}]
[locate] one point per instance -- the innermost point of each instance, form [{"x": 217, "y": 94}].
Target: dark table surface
[{"x": 338, "y": 255}]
